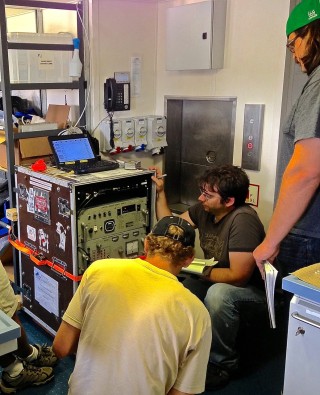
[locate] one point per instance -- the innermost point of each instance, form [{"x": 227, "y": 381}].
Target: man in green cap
[{"x": 294, "y": 231}]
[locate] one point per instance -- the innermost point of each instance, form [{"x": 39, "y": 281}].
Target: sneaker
[
  {"x": 216, "y": 377},
  {"x": 46, "y": 356},
  {"x": 30, "y": 375}
]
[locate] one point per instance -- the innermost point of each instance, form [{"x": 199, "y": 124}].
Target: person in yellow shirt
[{"x": 134, "y": 327}]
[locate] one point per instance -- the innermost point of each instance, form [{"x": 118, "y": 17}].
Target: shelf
[
  {"x": 47, "y": 47},
  {"x": 7, "y": 87},
  {"x": 44, "y": 85},
  {"x": 38, "y": 133},
  {"x": 41, "y": 4}
]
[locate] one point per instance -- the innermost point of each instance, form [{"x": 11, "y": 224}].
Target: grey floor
[{"x": 262, "y": 364}]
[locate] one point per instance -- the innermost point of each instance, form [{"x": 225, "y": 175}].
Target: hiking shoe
[
  {"x": 216, "y": 377},
  {"x": 30, "y": 375},
  {"x": 46, "y": 356}
]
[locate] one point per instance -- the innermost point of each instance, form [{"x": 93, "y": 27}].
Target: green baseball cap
[{"x": 304, "y": 13}]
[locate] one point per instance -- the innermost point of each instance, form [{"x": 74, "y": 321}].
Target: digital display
[{"x": 128, "y": 209}]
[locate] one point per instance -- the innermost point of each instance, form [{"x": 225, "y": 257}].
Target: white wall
[
  {"x": 121, "y": 30},
  {"x": 253, "y": 72},
  {"x": 253, "y": 69}
]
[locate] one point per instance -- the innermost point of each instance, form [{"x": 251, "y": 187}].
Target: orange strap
[{"x": 36, "y": 258}]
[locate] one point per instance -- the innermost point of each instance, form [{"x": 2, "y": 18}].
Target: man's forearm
[
  {"x": 66, "y": 340},
  {"x": 162, "y": 208},
  {"x": 226, "y": 276}
]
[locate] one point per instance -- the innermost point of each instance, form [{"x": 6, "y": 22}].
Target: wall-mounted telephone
[{"x": 116, "y": 95}]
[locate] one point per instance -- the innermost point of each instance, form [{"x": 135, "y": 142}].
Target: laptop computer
[{"x": 74, "y": 152}]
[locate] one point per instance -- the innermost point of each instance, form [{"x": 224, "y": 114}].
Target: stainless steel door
[{"x": 200, "y": 133}]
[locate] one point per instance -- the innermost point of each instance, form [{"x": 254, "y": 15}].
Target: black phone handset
[
  {"x": 116, "y": 95},
  {"x": 116, "y": 98},
  {"x": 110, "y": 97}
]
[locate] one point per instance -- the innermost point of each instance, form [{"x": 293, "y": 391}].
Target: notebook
[{"x": 74, "y": 152}]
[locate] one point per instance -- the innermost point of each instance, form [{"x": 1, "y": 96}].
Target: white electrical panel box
[
  {"x": 127, "y": 132},
  {"x": 140, "y": 131},
  {"x": 157, "y": 132},
  {"x": 196, "y": 35},
  {"x": 117, "y": 133}
]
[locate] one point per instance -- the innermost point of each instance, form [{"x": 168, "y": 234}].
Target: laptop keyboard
[{"x": 101, "y": 165}]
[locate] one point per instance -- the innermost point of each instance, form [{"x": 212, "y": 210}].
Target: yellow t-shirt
[{"x": 142, "y": 331}]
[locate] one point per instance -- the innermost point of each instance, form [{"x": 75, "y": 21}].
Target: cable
[
  {"x": 89, "y": 53},
  {"x": 99, "y": 124}
]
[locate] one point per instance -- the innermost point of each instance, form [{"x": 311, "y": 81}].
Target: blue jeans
[
  {"x": 297, "y": 252},
  {"x": 227, "y": 305}
]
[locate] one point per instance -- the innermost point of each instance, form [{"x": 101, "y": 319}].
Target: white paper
[
  {"x": 46, "y": 291},
  {"x": 270, "y": 279},
  {"x": 136, "y": 76},
  {"x": 197, "y": 266}
]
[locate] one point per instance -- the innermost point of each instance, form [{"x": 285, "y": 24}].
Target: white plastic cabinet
[{"x": 303, "y": 352}]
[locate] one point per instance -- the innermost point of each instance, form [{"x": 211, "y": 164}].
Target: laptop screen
[{"x": 72, "y": 148}]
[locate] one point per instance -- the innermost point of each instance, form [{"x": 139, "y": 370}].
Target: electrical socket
[{"x": 253, "y": 195}]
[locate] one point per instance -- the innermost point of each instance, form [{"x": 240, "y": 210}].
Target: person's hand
[
  {"x": 265, "y": 252},
  {"x": 158, "y": 181}
]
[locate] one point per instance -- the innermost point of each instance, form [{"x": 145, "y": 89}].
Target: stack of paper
[
  {"x": 269, "y": 282},
  {"x": 198, "y": 266},
  {"x": 309, "y": 274}
]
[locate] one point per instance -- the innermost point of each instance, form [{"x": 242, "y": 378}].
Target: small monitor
[{"x": 71, "y": 148}]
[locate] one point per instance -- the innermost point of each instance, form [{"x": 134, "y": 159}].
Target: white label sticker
[
  {"x": 30, "y": 206},
  {"x": 46, "y": 291},
  {"x": 32, "y": 233}
]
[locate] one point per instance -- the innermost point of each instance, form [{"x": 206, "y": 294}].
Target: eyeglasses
[
  {"x": 206, "y": 195},
  {"x": 290, "y": 44}
]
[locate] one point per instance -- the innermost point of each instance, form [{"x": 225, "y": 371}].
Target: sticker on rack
[
  {"x": 43, "y": 240},
  {"x": 32, "y": 233},
  {"x": 23, "y": 192},
  {"x": 31, "y": 246},
  {"x": 64, "y": 207},
  {"x": 30, "y": 205},
  {"x": 42, "y": 205},
  {"x": 61, "y": 264},
  {"x": 62, "y": 234}
]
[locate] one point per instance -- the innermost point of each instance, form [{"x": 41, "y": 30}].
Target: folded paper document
[
  {"x": 200, "y": 266},
  {"x": 269, "y": 282}
]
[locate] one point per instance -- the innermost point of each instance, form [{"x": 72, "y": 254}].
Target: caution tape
[{"x": 40, "y": 260}]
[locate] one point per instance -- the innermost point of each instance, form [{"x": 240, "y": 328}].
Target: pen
[{"x": 160, "y": 177}]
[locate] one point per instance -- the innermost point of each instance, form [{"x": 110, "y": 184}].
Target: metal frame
[{"x": 7, "y": 87}]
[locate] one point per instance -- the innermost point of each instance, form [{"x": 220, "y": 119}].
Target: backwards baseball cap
[
  {"x": 162, "y": 229},
  {"x": 304, "y": 13}
]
